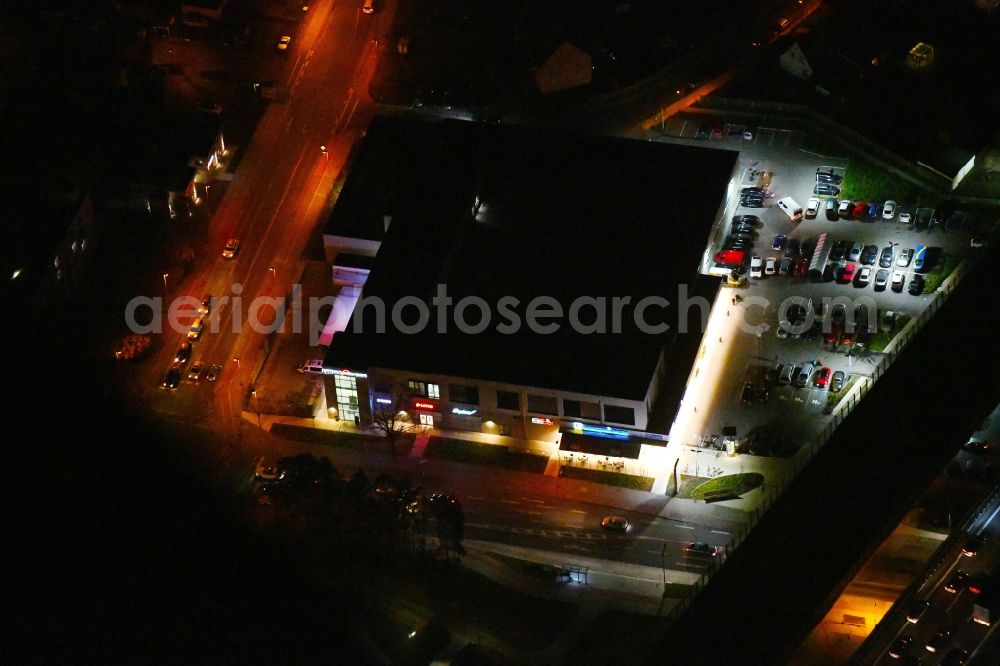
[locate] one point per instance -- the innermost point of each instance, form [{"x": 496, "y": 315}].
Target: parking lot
[{"x": 777, "y": 418}]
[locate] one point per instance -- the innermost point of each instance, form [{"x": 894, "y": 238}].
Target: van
[
  {"x": 368, "y": 7},
  {"x": 312, "y": 367},
  {"x": 785, "y": 374},
  {"x": 792, "y": 209}
]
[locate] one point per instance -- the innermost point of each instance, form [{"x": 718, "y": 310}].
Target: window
[
  {"x": 467, "y": 395},
  {"x": 347, "y": 397},
  {"x": 504, "y": 429},
  {"x": 571, "y": 408},
  {"x": 424, "y": 389},
  {"x": 542, "y": 404},
  {"x": 617, "y": 414},
  {"x": 508, "y": 400},
  {"x": 426, "y": 420}
]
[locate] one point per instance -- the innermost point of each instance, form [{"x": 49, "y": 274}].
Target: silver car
[{"x": 805, "y": 375}]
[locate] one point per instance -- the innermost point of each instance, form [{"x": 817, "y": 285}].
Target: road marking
[
  {"x": 719, "y": 532},
  {"x": 505, "y": 501},
  {"x": 684, "y": 527},
  {"x": 577, "y": 511},
  {"x": 531, "y": 513},
  {"x": 537, "y": 501}
]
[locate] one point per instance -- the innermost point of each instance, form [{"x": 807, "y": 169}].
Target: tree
[{"x": 392, "y": 420}]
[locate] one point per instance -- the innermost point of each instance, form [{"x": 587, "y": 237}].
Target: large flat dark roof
[{"x": 562, "y": 215}]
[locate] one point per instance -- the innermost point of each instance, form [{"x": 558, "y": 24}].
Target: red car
[
  {"x": 823, "y": 377},
  {"x": 801, "y": 267},
  {"x": 846, "y": 273},
  {"x": 832, "y": 336},
  {"x": 860, "y": 211},
  {"x": 847, "y": 339},
  {"x": 730, "y": 257}
]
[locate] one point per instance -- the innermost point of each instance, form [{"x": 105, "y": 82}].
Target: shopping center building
[{"x": 522, "y": 282}]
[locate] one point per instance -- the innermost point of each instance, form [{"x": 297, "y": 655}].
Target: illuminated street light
[
  {"x": 271, "y": 268},
  {"x": 165, "y": 275}
]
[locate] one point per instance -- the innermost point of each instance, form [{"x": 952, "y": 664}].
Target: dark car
[
  {"x": 956, "y": 582},
  {"x": 839, "y": 250},
  {"x": 702, "y": 548},
  {"x": 831, "y": 209},
  {"x": 938, "y": 640},
  {"x": 750, "y": 220},
  {"x": 778, "y": 242},
  {"x": 183, "y": 354},
  {"x": 977, "y": 447},
  {"x": 916, "y": 285},
  {"x": 917, "y": 611},
  {"x": 742, "y": 229},
  {"x": 801, "y": 267},
  {"x": 826, "y": 190},
  {"x": 972, "y": 545},
  {"x": 786, "y": 266},
  {"x": 900, "y": 646},
  {"x": 752, "y": 202},
  {"x": 736, "y": 244},
  {"x": 885, "y": 258},
  {"x": 874, "y": 211},
  {"x": 837, "y": 381},
  {"x": 869, "y": 255},
  {"x": 614, "y": 524},
  {"x": 882, "y": 279},
  {"x": 828, "y": 176},
  {"x": 173, "y": 378},
  {"x": 955, "y": 657}
]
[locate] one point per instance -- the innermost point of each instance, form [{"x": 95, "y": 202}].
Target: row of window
[{"x": 539, "y": 404}]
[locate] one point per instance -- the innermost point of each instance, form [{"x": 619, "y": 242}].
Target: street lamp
[
  {"x": 271, "y": 268},
  {"x": 256, "y": 405},
  {"x": 165, "y": 287}
]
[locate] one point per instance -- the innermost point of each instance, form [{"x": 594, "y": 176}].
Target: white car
[
  {"x": 284, "y": 42},
  {"x": 756, "y": 267},
  {"x": 898, "y": 278},
  {"x": 770, "y": 266},
  {"x": 903, "y": 260},
  {"x": 844, "y": 209},
  {"x": 812, "y": 207},
  {"x": 904, "y": 218},
  {"x": 889, "y": 210},
  {"x": 266, "y": 472},
  {"x": 864, "y": 277}
]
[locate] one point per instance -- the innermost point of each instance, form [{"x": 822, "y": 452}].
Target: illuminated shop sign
[
  {"x": 424, "y": 405},
  {"x": 463, "y": 412},
  {"x": 345, "y": 372},
  {"x": 540, "y": 421},
  {"x": 601, "y": 431},
  {"x": 383, "y": 401}
]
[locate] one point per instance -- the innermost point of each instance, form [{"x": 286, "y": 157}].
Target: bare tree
[{"x": 392, "y": 420}]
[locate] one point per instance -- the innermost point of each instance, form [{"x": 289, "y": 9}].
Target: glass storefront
[{"x": 347, "y": 397}]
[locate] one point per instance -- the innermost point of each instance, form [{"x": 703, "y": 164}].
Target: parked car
[
  {"x": 916, "y": 285},
  {"x": 786, "y": 266},
  {"x": 828, "y": 176},
  {"x": 889, "y": 210},
  {"x": 213, "y": 372},
  {"x": 751, "y": 220},
  {"x": 854, "y": 254},
  {"x": 801, "y": 267},
  {"x": 898, "y": 280},
  {"x": 839, "y": 250},
  {"x": 831, "y": 209},
  {"x": 785, "y": 374},
  {"x": 905, "y": 218},
  {"x": 812, "y": 207},
  {"x": 183, "y": 354},
  {"x": 860, "y": 210},
  {"x": 823, "y": 377},
  {"x": 869, "y": 255},
  {"x": 837, "y": 381},
  {"x": 756, "y": 267},
  {"x": 873, "y": 210},
  {"x": 846, "y": 273},
  {"x": 778, "y": 242},
  {"x": 194, "y": 373},
  {"x": 972, "y": 545},
  {"x": 770, "y": 266},
  {"x": 805, "y": 375},
  {"x": 920, "y": 258},
  {"x": 885, "y": 258},
  {"x": 793, "y": 248},
  {"x": 826, "y": 190},
  {"x": 881, "y": 279},
  {"x": 845, "y": 207},
  {"x": 730, "y": 257},
  {"x": 903, "y": 260},
  {"x": 864, "y": 277}
]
